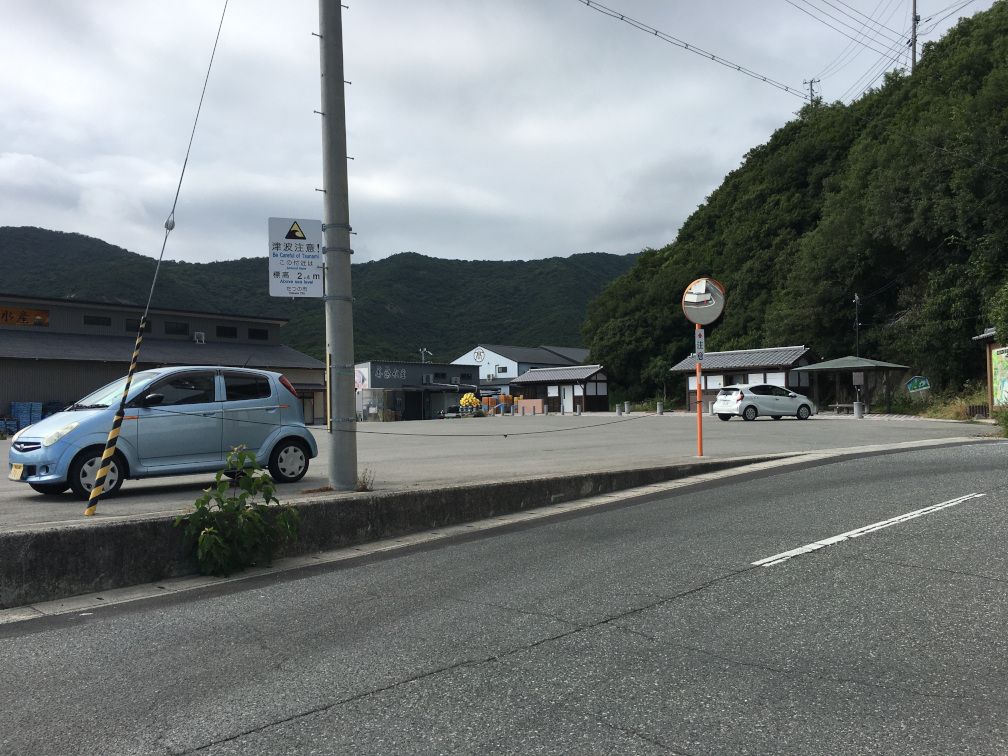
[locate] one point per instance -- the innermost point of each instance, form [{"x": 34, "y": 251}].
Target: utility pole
[
  {"x": 342, "y": 403},
  {"x": 913, "y": 39},
  {"x": 811, "y": 91},
  {"x": 857, "y": 322}
]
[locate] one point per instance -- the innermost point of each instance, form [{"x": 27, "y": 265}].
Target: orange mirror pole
[{"x": 699, "y": 409}]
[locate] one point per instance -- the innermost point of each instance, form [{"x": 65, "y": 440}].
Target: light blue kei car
[{"x": 178, "y": 421}]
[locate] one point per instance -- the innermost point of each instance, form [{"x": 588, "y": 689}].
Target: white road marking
[{"x": 785, "y": 555}]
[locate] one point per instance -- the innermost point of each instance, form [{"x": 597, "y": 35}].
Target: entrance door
[
  {"x": 414, "y": 406},
  {"x": 567, "y": 398}
]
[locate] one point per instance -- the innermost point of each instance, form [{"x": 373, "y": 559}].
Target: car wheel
[
  {"x": 84, "y": 469},
  {"x": 724, "y": 416},
  {"x": 804, "y": 412},
  {"x": 289, "y": 461},
  {"x": 50, "y": 489},
  {"x": 749, "y": 413}
]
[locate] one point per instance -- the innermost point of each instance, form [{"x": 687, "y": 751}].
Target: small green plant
[
  {"x": 365, "y": 479},
  {"x": 228, "y": 529},
  {"x": 1001, "y": 415}
]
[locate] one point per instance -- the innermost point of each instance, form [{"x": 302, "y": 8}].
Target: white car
[{"x": 750, "y": 400}]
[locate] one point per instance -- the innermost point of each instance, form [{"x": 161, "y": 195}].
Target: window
[
  {"x": 187, "y": 388},
  {"x": 258, "y": 334},
  {"x": 465, "y": 376},
  {"x": 761, "y": 390},
  {"x": 173, "y": 328},
  {"x": 227, "y": 332},
  {"x": 100, "y": 320},
  {"x": 242, "y": 386},
  {"x": 440, "y": 376},
  {"x": 501, "y": 369},
  {"x": 132, "y": 325}
]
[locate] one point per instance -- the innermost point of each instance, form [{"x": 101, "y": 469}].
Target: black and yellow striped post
[{"x": 110, "y": 445}]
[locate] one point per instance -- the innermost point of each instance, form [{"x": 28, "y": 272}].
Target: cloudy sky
[{"x": 479, "y": 129}]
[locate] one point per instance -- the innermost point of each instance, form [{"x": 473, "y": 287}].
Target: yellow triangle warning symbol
[{"x": 295, "y": 232}]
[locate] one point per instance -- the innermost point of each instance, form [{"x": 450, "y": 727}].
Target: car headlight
[
  {"x": 18, "y": 434},
  {"x": 56, "y": 435}
]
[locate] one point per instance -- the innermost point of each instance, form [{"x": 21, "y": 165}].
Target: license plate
[{"x": 16, "y": 471}]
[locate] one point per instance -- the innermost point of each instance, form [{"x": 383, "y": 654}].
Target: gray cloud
[{"x": 479, "y": 130}]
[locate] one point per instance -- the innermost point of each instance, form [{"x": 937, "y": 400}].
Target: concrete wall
[{"x": 42, "y": 564}]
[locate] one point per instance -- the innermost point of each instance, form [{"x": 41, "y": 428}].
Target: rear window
[
  {"x": 243, "y": 386},
  {"x": 728, "y": 391}
]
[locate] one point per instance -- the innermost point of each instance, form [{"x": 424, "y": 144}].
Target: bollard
[
  {"x": 562, "y": 411},
  {"x": 619, "y": 409},
  {"x": 577, "y": 410},
  {"x": 661, "y": 408},
  {"x": 533, "y": 410},
  {"x": 858, "y": 410}
]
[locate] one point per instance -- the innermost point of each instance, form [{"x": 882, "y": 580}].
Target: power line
[
  {"x": 831, "y": 26},
  {"x": 854, "y": 48},
  {"x": 860, "y": 29},
  {"x": 688, "y": 47}
]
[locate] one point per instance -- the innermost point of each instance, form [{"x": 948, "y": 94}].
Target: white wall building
[{"x": 498, "y": 364}]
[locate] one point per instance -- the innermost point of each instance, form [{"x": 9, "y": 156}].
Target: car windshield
[{"x": 107, "y": 395}]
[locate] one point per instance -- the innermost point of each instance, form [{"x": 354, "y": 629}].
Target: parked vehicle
[
  {"x": 750, "y": 400},
  {"x": 178, "y": 421}
]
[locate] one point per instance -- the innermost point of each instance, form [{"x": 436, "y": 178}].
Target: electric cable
[{"x": 689, "y": 48}]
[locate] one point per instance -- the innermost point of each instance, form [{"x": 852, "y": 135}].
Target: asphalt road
[
  {"x": 649, "y": 628},
  {"x": 451, "y": 452}
]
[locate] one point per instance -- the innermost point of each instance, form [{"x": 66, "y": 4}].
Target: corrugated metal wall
[{"x": 46, "y": 380}]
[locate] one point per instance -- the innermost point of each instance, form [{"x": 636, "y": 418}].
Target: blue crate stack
[
  {"x": 35, "y": 412},
  {"x": 21, "y": 412}
]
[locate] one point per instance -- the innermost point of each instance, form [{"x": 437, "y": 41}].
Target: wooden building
[
  {"x": 56, "y": 351},
  {"x": 583, "y": 387}
]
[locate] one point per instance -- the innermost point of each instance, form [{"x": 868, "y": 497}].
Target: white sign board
[
  {"x": 295, "y": 257},
  {"x": 698, "y": 344}
]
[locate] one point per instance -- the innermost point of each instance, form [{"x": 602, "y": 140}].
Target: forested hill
[
  {"x": 900, "y": 199},
  {"x": 403, "y": 302}
]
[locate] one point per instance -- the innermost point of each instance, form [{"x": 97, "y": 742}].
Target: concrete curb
[{"x": 51, "y": 563}]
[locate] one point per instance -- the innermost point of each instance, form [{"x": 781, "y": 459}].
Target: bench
[{"x": 847, "y": 409}]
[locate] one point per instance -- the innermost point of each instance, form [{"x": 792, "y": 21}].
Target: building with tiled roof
[
  {"x": 54, "y": 351},
  {"x": 772, "y": 365},
  {"x": 499, "y": 364}
]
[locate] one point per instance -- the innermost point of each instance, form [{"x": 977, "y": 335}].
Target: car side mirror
[{"x": 152, "y": 400}]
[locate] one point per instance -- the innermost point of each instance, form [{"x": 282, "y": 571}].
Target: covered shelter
[
  {"x": 566, "y": 389},
  {"x": 864, "y": 373},
  {"x": 773, "y": 365}
]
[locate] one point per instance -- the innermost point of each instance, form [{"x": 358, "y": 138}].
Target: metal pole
[
  {"x": 699, "y": 409},
  {"x": 913, "y": 39},
  {"x": 113, "y": 436},
  {"x": 336, "y": 224}
]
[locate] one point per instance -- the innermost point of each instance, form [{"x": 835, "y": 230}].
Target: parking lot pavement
[{"x": 439, "y": 453}]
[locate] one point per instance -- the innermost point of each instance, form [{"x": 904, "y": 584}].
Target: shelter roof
[
  {"x": 850, "y": 363},
  {"x": 32, "y": 345},
  {"x": 988, "y": 336},
  {"x": 772, "y": 357},
  {"x": 572, "y": 374}
]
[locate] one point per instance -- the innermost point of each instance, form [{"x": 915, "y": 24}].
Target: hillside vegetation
[
  {"x": 900, "y": 199},
  {"x": 403, "y": 302}
]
